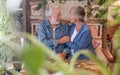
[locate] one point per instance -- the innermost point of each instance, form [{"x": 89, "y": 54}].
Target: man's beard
[{"x": 54, "y": 22}]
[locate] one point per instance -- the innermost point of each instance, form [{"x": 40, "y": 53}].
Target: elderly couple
[{"x": 65, "y": 39}]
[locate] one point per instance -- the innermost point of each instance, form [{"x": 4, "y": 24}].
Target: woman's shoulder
[{"x": 86, "y": 27}]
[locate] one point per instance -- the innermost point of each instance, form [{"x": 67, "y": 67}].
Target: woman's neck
[{"x": 78, "y": 25}]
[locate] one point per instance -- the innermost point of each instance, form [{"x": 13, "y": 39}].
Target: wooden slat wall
[{"x": 26, "y": 16}]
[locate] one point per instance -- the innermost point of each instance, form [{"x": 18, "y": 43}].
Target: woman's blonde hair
[{"x": 79, "y": 12}]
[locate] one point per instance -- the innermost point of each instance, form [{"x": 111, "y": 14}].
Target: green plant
[
  {"x": 36, "y": 54},
  {"x": 6, "y": 35},
  {"x": 44, "y": 2},
  {"x": 116, "y": 20},
  {"x": 37, "y": 59},
  {"x": 5, "y": 19}
]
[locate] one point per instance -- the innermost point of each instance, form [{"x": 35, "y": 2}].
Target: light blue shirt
[{"x": 45, "y": 35}]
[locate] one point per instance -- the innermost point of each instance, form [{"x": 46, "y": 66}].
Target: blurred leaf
[
  {"x": 39, "y": 6},
  {"x": 52, "y": 66},
  {"x": 116, "y": 39},
  {"x": 88, "y": 2},
  {"x": 52, "y": 1},
  {"x": 107, "y": 4},
  {"x": 101, "y": 2},
  {"x": 60, "y": 1},
  {"x": 100, "y": 64},
  {"x": 115, "y": 21},
  {"x": 1, "y": 70},
  {"x": 44, "y": 72},
  {"x": 102, "y": 12},
  {"x": 13, "y": 72},
  {"x": 117, "y": 8},
  {"x": 34, "y": 58},
  {"x": 90, "y": 12},
  {"x": 73, "y": 60},
  {"x": 46, "y": 51},
  {"x": 116, "y": 70},
  {"x": 117, "y": 18},
  {"x": 42, "y": 3}
]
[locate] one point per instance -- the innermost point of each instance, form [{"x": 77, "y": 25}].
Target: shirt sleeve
[
  {"x": 42, "y": 36},
  {"x": 67, "y": 29},
  {"x": 82, "y": 43}
]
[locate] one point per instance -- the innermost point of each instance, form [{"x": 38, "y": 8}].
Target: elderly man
[{"x": 51, "y": 32}]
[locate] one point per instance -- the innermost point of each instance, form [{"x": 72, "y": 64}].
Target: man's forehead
[{"x": 57, "y": 10}]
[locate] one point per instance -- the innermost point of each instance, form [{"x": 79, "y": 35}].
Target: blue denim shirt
[
  {"x": 45, "y": 35},
  {"x": 83, "y": 40}
]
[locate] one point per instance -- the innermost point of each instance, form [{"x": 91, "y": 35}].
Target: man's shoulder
[{"x": 42, "y": 22}]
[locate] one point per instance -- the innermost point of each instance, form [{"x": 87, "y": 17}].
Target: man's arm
[
  {"x": 42, "y": 36},
  {"x": 66, "y": 38}
]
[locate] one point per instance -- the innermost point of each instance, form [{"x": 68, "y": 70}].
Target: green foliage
[
  {"x": 79, "y": 0},
  {"x": 1, "y": 70},
  {"x": 60, "y": 1},
  {"x": 52, "y": 1},
  {"x": 37, "y": 58},
  {"x": 5, "y": 19},
  {"x": 6, "y": 34},
  {"x": 106, "y": 4},
  {"x": 116, "y": 39},
  {"x": 88, "y": 2},
  {"x": 101, "y": 2},
  {"x": 36, "y": 54},
  {"x": 34, "y": 58},
  {"x": 42, "y": 3},
  {"x": 5, "y": 54},
  {"x": 117, "y": 65},
  {"x": 100, "y": 14}
]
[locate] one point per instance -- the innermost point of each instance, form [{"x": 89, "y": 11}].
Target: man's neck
[{"x": 53, "y": 26}]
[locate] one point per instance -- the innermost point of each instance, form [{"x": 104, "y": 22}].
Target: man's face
[{"x": 56, "y": 16}]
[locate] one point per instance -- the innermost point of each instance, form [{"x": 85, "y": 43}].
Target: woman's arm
[{"x": 82, "y": 43}]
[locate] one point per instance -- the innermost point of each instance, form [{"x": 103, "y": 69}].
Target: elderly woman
[{"x": 80, "y": 33}]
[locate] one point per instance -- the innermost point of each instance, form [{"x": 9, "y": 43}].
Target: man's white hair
[{"x": 50, "y": 10}]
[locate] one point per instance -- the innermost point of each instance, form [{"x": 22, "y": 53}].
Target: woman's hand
[{"x": 64, "y": 39}]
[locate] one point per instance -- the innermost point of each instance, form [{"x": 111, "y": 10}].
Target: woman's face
[{"x": 72, "y": 17}]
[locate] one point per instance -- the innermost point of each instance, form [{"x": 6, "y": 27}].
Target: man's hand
[{"x": 64, "y": 39}]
